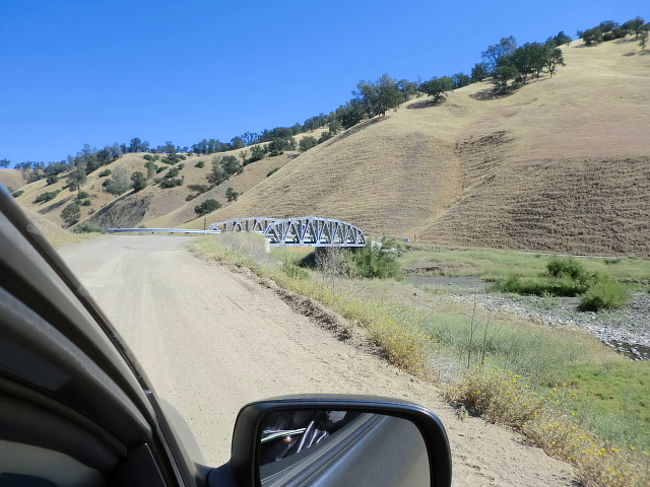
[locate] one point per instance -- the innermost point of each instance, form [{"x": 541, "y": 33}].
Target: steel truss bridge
[{"x": 305, "y": 231}]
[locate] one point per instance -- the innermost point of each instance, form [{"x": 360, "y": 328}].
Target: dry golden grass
[
  {"x": 562, "y": 164},
  {"x": 11, "y": 179},
  {"x": 58, "y": 237},
  {"x": 93, "y": 186},
  {"x": 154, "y": 206}
]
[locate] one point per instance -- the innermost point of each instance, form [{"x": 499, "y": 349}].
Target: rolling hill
[
  {"x": 154, "y": 205},
  {"x": 562, "y": 164}
]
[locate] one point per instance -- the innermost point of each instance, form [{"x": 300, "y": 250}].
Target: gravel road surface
[{"x": 212, "y": 339}]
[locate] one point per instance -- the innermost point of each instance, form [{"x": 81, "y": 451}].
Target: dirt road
[{"x": 211, "y": 340}]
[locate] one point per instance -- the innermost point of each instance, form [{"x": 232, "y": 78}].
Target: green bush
[
  {"x": 307, "y": 143},
  {"x": 376, "y": 260},
  {"x": 231, "y": 194},
  {"x": 47, "y": 196},
  {"x": 272, "y": 171},
  {"x": 16, "y": 194},
  {"x": 199, "y": 188},
  {"x": 85, "y": 203},
  {"x": 51, "y": 179},
  {"x": 138, "y": 181},
  {"x": 294, "y": 271},
  {"x": 566, "y": 267},
  {"x": 541, "y": 287},
  {"x": 170, "y": 182},
  {"x": 605, "y": 294},
  {"x": 172, "y": 173},
  {"x": 200, "y": 164},
  {"x": 71, "y": 214},
  {"x": 208, "y": 206},
  {"x": 87, "y": 227},
  {"x": 82, "y": 195},
  {"x": 104, "y": 173}
]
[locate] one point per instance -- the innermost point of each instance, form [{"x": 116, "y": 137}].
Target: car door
[{"x": 76, "y": 409}]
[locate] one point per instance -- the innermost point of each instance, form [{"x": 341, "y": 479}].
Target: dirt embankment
[{"x": 212, "y": 339}]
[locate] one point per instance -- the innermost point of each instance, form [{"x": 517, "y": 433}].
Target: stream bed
[{"x": 627, "y": 329}]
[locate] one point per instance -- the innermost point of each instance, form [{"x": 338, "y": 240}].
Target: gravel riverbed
[{"x": 626, "y": 329}]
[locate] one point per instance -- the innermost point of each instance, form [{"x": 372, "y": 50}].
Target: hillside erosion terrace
[{"x": 305, "y": 231}]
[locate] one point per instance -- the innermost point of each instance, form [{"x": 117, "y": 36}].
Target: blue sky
[{"x": 104, "y": 71}]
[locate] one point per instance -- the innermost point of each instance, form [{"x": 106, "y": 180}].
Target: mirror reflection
[{"x": 338, "y": 447}]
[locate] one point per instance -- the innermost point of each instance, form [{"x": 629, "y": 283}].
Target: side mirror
[{"x": 331, "y": 440}]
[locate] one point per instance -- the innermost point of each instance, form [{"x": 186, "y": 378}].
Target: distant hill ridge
[{"x": 563, "y": 164}]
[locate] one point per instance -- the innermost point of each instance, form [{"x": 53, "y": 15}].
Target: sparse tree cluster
[
  {"x": 223, "y": 168},
  {"x": 231, "y": 195},
  {"x": 609, "y": 30},
  {"x": 437, "y": 88},
  {"x": 514, "y": 66}
]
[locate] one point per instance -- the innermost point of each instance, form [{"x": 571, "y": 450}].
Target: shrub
[
  {"x": 160, "y": 169},
  {"x": 104, "y": 173},
  {"x": 170, "y": 182},
  {"x": 199, "y": 188},
  {"x": 16, "y": 194},
  {"x": 307, "y": 143},
  {"x": 257, "y": 154},
  {"x": 172, "y": 173},
  {"x": 85, "y": 203},
  {"x": 47, "y": 196},
  {"x": 272, "y": 171},
  {"x": 231, "y": 194},
  {"x": 376, "y": 260},
  {"x": 81, "y": 195},
  {"x": 119, "y": 182},
  {"x": 70, "y": 214},
  {"x": 87, "y": 227},
  {"x": 605, "y": 294},
  {"x": 138, "y": 181},
  {"x": 294, "y": 271},
  {"x": 208, "y": 206},
  {"x": 566, "y": 266},
  {"x": 51, "y": 179},
  {"x": 200, "y": 164},
  {"x": 541, "y": 287},
  {"x": 566, "y": 277}
]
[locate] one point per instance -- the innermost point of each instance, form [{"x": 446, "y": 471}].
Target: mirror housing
[{"x": 242, "y": 469}]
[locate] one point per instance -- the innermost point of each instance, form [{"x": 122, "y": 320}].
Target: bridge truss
[{"x": 305, "y": 231}]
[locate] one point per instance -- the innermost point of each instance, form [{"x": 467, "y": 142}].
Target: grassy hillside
[
  {"x": 154, "y": 205},
  {"x": 11, "y": 179},
  {"x": 563, "y": 164}
]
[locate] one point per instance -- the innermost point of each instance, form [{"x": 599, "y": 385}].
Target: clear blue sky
[{"x": 104, "y": 71}]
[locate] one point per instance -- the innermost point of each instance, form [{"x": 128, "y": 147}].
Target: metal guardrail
[
  {"x": 305, "y": 231},
  {"x": 161, "y": 230}
]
